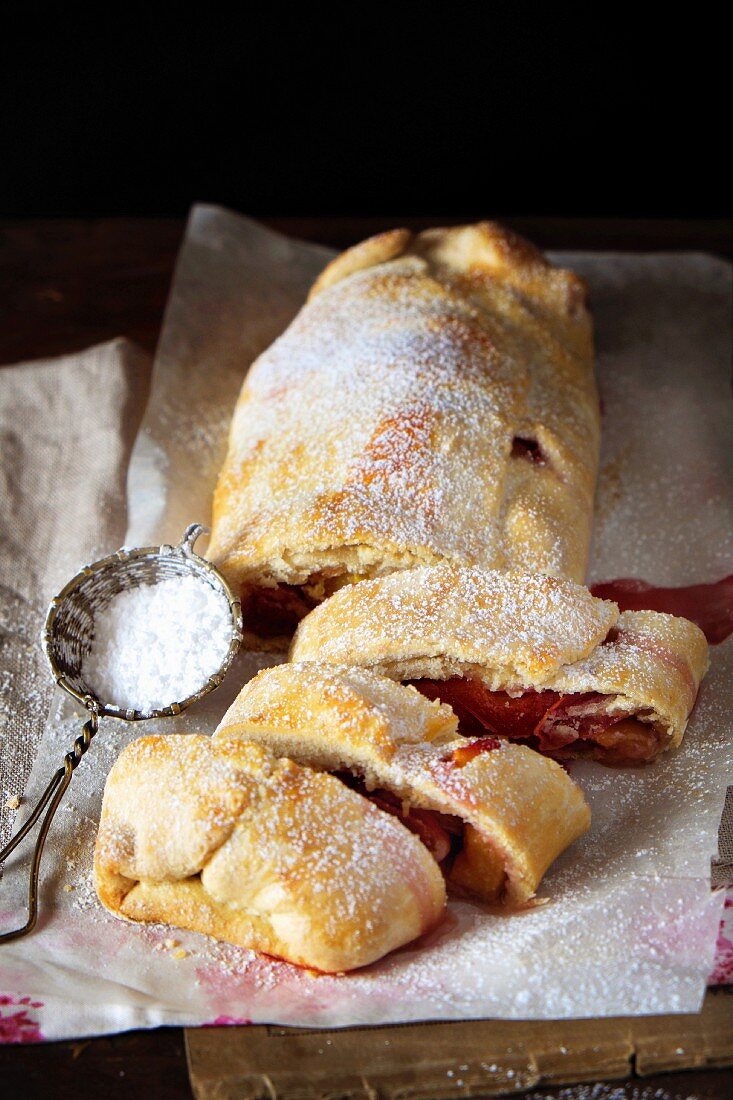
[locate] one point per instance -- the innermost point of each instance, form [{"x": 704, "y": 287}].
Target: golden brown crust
[
  {"x": 653, "y": 662},
  {"x": 378, "y": 712},
  {"x": 439, "y": 620},
  {"x": 379, "y": 249},
  {"x": 523, "y": 808},
  {"x": 434, "y": 401},
  {"x": 225, "y": 838},
  {"x": 513, "y": 632}
]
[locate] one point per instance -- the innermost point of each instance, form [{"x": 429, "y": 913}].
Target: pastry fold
[
  {"x": 227, "y": 839},
  {"x": 495, "y": 815},
  {"x": 528, "y": 657},
  {"x": 434, "y": 400}
]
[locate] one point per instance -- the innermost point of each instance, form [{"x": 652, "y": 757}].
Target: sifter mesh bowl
[
  {"x": 72, "y": 616},
  {"x": 70, "y": 626}
]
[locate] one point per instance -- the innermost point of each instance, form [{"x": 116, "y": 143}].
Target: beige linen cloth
[{"x": 66, "y": 430}]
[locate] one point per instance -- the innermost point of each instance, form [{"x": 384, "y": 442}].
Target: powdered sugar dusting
[
  {"x": 158, "y": 644},
  {"x": 383, "y": 418},
  {"x": 514, "y": 623}
]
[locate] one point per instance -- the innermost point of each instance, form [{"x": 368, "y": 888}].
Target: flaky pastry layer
[
  {"x": 513, "y": 632},
  {"x": 227, "y": 839},
  {"x": 519, "y": 809}
]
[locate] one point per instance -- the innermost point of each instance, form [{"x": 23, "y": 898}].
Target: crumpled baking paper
[{"x": 630, "y": 922}]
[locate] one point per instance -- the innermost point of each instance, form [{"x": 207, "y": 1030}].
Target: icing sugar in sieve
[
  {"x": 140, "y": 634},
  {"x": 157, "y": 643}
]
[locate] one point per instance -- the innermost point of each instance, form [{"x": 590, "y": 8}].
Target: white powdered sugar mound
[{"x": 158, "y": 644}]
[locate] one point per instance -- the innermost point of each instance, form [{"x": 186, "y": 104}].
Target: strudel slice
[
  {"x": 522, "y": 656},
  {"x": 493, "y": 814},
  {"x": 230, "y": 839}
]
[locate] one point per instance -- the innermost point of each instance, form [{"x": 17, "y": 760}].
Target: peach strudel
[
  {"x": 523, "y": 656},
  {"x": 493, "y": 814},
  {"x": 433, "y": 401}
]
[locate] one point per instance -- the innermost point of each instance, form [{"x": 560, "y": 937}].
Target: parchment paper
[{"x": 630, "y": 925}]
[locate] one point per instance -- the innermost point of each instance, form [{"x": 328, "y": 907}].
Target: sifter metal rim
[{"x": 184, "y": 549}]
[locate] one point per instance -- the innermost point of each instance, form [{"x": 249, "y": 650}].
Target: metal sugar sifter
[{"x": 68, "y": 640}]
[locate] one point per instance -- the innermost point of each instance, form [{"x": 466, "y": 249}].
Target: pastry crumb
[
  {"x": 68, "y": 888},
  {"x": 13, "y": 802},
  {"x": 181, "y": 953},
  {"x": 169, "y": 944}
]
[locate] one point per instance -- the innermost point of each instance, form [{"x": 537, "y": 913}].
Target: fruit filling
[
  {"x": 468, "y": 860},
  {"x": 555, "y": 724},
  {"x": 528, "y": 449},
  {"x": 276, "y": 611},
  {"x": 440, "y": 833},
  {"x": 272, "y": 612}
]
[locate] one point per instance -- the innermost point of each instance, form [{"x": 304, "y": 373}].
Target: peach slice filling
[
  {"x": 471, "y": 864},
  {"x": 554, "y": 724},
  {"x": 271, "y": 612}
]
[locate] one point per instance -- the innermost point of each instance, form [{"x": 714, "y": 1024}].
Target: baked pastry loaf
[
  {"x": 523, "y": 656},
  {"x": 434, "y": 400},
  {"x": 227, "y": 839},
  {"x": 494, "y": 814}
]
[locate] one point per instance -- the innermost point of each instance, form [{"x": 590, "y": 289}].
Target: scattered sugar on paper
[{"x": 158, "y": 644}]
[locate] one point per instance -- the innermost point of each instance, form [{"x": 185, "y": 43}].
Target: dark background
[{"x": 349, "y": 109}]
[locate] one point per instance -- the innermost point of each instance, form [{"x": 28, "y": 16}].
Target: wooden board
[{"x": 467, "y": 1058}]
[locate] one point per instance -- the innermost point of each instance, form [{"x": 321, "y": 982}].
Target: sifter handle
[{"x": 50, "y": 798}]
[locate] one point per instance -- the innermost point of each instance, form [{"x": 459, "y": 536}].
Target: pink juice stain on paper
[
  {"x": 236, "y": 983},
  {"x": 227, "y": 1021},
  {"x": 16, "y": 1024},
  {"x": 723, "y": 970},
  {"x": 708, "y": 605}
]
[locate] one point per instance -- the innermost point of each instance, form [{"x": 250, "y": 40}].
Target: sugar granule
[{"x": 158, "y": 644}]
